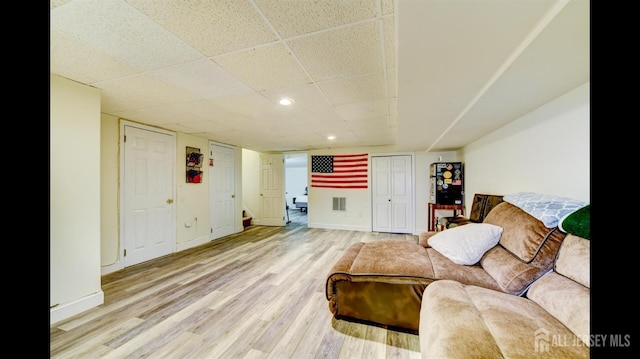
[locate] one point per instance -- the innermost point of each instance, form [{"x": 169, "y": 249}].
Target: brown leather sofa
[{"x": 382, "y": 283}]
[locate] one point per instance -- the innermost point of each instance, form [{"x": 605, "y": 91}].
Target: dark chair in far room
[{"x": 481, "y": 206}]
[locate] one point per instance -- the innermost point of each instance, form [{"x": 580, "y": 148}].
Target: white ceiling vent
[{"x": 339, "y": 204}]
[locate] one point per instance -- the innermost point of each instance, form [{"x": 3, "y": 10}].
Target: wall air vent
[{"x": 339, "y": 204}]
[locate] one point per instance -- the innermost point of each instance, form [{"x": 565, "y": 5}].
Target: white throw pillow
[{"x": 468, "y": 243}]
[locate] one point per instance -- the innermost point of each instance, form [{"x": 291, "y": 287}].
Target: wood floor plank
[{"x": 254, "y": 294}]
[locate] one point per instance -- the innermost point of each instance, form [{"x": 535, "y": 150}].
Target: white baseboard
[
  {"x": 111, "y": 268},
  {"x": 67, "y": 310}
]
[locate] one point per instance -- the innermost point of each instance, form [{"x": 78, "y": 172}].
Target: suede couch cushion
[
  {"x": 444, "y": 268},
  {"x": 566, "y": 300},
  {"x": 523, "y": 235},
  {"x": 462, "y": 321},
  {"x": 565, "y": 293},
  {"x": 423, "y": 238},
  {"x": 404, "y": 258},
  {"x": 573, "y": 259}
]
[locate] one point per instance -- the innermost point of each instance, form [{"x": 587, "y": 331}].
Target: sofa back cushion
[
  {"x": 523, "y": 235},
  {"x": 527, "y": 249},
  {"x": 573, "y": 259},
  {"x": 565, "y": 292}
]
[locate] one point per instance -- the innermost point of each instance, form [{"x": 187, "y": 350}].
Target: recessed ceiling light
[
  {"x": 331, "y": 137},
  {"x": 286, "y": 101}
]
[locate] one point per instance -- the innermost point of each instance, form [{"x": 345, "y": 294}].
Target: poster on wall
[{"x": 194, "y": 165}]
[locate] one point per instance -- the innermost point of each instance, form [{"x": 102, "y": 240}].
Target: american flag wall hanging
[{"x": 339, "y": 171}]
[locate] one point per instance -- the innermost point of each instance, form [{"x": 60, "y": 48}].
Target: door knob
[
  {"x": 169, "y": 201},
  {"x": 233, "y": 196}
]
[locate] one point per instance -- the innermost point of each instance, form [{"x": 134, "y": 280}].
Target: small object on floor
[{"x": 246, "y": 220}]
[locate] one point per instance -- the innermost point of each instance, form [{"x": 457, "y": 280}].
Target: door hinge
[
  {"x": 125, "y": 252},
  {"x": 125, "y": 138},
  {"x": 211, "y": 229}
]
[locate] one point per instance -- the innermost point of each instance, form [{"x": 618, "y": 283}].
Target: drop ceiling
[{"x": 413, "y": 75}]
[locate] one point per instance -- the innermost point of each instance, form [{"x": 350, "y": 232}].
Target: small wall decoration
[{"x": 194, "y": 165}]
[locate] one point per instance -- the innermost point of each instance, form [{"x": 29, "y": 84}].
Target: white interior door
[
  {"x": 148, "y": 215},
  {"x": 392, "y": 190},
  {"x": 222, "y": 188},
  {"x": 272, "y": 202},
  {"x": 381, "y": 191}
]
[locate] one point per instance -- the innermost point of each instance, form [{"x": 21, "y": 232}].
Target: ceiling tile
[
  {"x": 140, "y": 91},
  {"x": 250, "y": 105},
  {"x": 363, "y": 88},
  {"x": 343, "y": 52},
  {"x": 211, "y": 27},
  {"x": 388, "y": 7},
  {"x": 264, "y": 68},
  {"x": 293, "y": 18},
  {"x": 361, "y": 110},
  {"x": 203, "y": 78},
  {"x": 121, "y": 31},
  {"x": 73, "y": 59}
]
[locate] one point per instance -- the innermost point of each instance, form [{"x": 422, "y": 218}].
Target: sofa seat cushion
[
  {"x": 401, "y": 258},
  {"x": 444, "y": 268},
  {"x": 463, "y": 321}
]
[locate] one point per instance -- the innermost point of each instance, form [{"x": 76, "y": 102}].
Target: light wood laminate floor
[{"x": 255, "y": 294}]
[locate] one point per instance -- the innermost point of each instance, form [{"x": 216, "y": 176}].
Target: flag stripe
[
  {"x": 338, "y": 181},
  {"x": 338, "y": 186},
  {"x": 339, "y": 176},
  {"x": 340, "y": 171}
]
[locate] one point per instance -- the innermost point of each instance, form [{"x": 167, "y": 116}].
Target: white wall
[
  {"x": 547, "y": 151},
  {"x": 295, "y": 181},
  {"x": 192, "y": 199},
  {"x": 74, "y": 208},
  {"x": 109, "y": 196}
]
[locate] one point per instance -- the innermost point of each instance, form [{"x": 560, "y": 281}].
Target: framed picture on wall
[{"x": 194, "y": 165}]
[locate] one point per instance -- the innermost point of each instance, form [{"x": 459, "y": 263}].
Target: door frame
[
  {"x": 121, "y": 242},
  {"x": 412, "y": 205}
]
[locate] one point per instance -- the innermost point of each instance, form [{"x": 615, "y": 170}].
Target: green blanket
[{"x": 577, "y": 223}]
